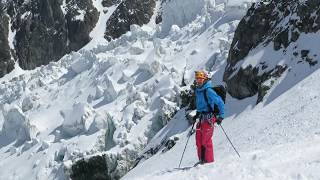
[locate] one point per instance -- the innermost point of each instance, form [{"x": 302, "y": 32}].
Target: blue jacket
[{"x": 213, "y": 98}]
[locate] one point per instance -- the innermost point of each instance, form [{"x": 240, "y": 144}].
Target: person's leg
[
  {"x": 199, "y": 140},
  {"x": 207, "y": 141},
  {"x": 203, "y": 154}
]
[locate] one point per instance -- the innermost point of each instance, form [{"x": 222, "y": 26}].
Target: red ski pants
[{"x": 204, "y": 132}]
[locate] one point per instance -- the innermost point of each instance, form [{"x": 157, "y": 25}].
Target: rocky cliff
[
  {"x": 6, "y": 63},
  {"x": 129, "y": 12},
  {"x": 44, "y": 32},
  {"x": 41, "y": 31},
  {"x": 275, "y": 24}
]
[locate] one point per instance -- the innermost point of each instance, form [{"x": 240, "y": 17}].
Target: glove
[
  {"x": 196, "y": 116},
  {"x": 219, "y": 120},
  {"x": 191, "y": 118}
]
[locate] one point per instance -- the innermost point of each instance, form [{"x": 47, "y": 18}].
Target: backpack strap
[{"x": 207, "y": 101}]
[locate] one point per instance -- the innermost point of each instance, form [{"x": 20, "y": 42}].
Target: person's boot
[
  {"x": 202, "y": 160},
  {"x": 199, "y": 163}
]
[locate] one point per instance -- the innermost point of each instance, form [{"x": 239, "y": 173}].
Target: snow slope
[{"x": 276, "y": 141}]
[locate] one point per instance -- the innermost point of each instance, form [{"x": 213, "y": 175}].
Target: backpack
[{"x": 221, "y": 91}]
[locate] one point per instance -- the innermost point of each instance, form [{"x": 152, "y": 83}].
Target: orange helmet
[{"x": 201, "y": 75}]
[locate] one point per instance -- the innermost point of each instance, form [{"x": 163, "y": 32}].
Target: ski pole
[
  {"x": 229, "y": 140},
  {"x": 186, "y": 144}
]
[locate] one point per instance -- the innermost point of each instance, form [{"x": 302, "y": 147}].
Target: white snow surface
[
  {"x": 63, "y": 110},
  {"x": 98, "y": 32},
  {"x": 11, "y": 36}
]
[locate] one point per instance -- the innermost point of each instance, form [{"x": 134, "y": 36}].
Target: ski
[
  {"x": 182, "y": 168},
  {"x": 176, "y": 169}
]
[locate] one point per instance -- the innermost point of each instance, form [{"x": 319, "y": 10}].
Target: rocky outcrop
[
  {"x": 107, "y": 166},
  {"x": 81, "y": 19},
  {"x": 41, "y": 32},
  {"x": 6, "y": 63},
  {"x": 94, "y": 168},
  {"x": 129, "y": 12},
  {"x": 109, "y": 3},
  {"x": 275, "y": 22},
  {"x": 47, "y": 30}
]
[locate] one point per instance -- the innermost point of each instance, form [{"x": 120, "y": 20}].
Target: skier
[{"x": 206, "y": 97}]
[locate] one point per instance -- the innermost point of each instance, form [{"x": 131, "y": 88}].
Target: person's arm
[{"x": 213, "y": 98}]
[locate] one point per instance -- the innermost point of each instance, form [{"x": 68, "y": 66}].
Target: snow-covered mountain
[
  {"x": 275, "y": 39},
  {"x": 40, "y": 31},
  {"x": 37, "y": 32},
  {"x": 118, "y": 106}
]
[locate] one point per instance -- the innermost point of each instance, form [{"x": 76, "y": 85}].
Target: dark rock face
[
  {"x": 270, "y": 21},
  {"x": 78, "y": 30},
  {"x": 109, "y": 3},
  {"x": 95, "y": 169},
  {"x": 103, "y": 167},
  {"x": 129, "y": 12},
  {"x": 44, "y": 33},
  {"x": 41, "y": 35},
  {"x": 6, "y": 63}
]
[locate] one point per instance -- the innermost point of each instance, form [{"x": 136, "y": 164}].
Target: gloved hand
[
  {"x": 219, "y": 120},
  {"x": 191, "y": 118},
  {"x": 196, "y": 116}
]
